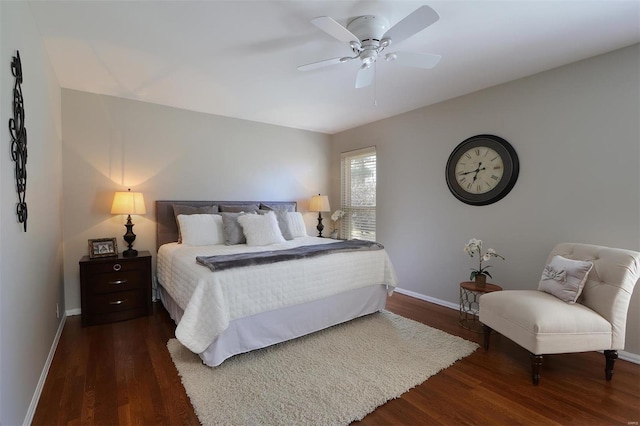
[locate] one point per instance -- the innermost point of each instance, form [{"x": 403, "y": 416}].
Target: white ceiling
[{"x": 239, "y": 58}]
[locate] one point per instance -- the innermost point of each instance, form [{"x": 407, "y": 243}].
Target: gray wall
[
  {"x": 576, "y": 132},
  {"x": 110, "y": 144},
  {"x": 31, "y": 262}
]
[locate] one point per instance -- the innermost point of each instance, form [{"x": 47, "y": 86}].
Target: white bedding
[{"x": 211, "y": 300}]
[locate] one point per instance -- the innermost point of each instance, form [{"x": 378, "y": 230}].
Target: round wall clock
[{"x": 482, "y": 170}]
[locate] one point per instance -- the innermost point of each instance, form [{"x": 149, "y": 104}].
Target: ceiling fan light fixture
[
  {"x": 390, "y": 57},
  {"x": 369, "y": 56}
]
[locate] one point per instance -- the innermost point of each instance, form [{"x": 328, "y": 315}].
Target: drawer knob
[
  {"x": 118, "y": 302},
  {"x": 117, "y": 282},
  {"x": 117, "y": 267}
]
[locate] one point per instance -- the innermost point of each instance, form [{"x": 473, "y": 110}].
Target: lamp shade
[
  {"x": 319, "y": 203},
  {"x": 128, "y": 203}
]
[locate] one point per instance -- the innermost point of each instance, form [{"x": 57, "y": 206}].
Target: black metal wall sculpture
[{"x": 19, "y": 141}]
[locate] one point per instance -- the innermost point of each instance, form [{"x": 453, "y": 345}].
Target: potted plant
[
  {"x": 473, "y": 248},
  {"x": 336, "y": 216}
]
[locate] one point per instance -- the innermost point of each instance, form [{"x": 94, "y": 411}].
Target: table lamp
[
  {"x": 128, "y": 203},
  {"x": 319, "y": 203}
]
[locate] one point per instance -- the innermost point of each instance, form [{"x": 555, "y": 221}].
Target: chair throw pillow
[{"x": 565, "y": 278}]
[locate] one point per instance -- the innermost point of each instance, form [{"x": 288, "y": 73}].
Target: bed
[{"x": 223, "y": 313}]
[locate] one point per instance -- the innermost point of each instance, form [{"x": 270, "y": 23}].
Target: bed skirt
[{"x": 268, "y": 328}]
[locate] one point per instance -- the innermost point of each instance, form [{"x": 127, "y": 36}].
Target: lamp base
[
  {"x": 320, "y": 226},
  {"x": 129, "y": 237},
  {"x": 130, "y": 253}
]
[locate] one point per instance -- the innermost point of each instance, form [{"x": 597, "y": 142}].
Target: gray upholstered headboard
[{"x": 167, "y": 229}]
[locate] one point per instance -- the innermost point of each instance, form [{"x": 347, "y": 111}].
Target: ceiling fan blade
[
  {"x": 334, "y": 29},
  {"x": 411, "y": 59},
  {"x": 365, "y": 77},
  {"x": 413, "y": 23},
  {"x": 325, "y": 63}
]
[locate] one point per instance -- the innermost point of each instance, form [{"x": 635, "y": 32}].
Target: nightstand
[{"x": 115, "y": 288}]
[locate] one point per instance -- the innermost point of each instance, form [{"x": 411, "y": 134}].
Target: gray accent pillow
[
  {"x": 189, "y": 210},
  {"x": 283, "y": 220},
  {"x": 231, "y": 229},
  {"x": 289, "y": 207},
  {"x": 238, "y": 208}
]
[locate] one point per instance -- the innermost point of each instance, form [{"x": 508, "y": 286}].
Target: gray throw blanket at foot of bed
[{"x": 227, "y": 261}]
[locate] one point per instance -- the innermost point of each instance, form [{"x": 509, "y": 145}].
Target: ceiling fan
[{"x": 369, "y": 35}]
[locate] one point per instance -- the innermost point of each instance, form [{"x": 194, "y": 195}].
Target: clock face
[
  {"x": 479, "y": 170},
  {"x": 482, "y": 170}
]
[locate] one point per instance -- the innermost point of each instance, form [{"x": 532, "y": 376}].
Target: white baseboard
[
  {"x": 628, "y": 356},
  {"x": 73, "y": 312},
  {"x": 43, "y": 376},
  {"x": 624, "y": 355},
  {"x": 428, "y": 299}
]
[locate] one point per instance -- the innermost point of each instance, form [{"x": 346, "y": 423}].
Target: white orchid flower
[
  {"x": 475, "y": 242},
  {"x": 476, "y": 245}
]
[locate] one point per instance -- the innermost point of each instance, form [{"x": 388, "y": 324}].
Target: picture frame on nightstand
[{"x": 103, "y": 247}]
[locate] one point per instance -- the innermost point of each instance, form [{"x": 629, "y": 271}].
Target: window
[{"x": 358, "y": 194}]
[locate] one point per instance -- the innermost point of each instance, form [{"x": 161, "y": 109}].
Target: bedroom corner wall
[
  {"x": 30, "y": 262},
  {"x": 110, "y": 144},
  {"x": 576, "y": 132}
]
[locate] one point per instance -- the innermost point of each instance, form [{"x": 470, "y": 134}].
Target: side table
[{"x": 470, "y": 294}]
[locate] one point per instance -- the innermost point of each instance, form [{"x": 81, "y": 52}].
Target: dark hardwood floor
[{"x": 122, "y": 373}]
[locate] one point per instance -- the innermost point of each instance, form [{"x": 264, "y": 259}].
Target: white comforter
[{"x": 211, "y": 300}]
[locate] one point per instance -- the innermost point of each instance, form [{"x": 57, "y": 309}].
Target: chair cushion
[{"x": 544, "y": 324}]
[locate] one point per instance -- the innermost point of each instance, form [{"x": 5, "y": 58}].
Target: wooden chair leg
[
  {"x": 611, "y": 357},
  {"x": 536, "y": 363},
  {"x": 487, "y": 334}
]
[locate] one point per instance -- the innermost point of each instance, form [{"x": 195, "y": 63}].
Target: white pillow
[
  {"x": 201, "y": 229},
  {"x": 296, "y": 224},
  {"x": 261, "y": 230},
  {"x": 565, "y": 278}
]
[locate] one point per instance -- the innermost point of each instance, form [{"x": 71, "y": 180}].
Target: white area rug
[{"x": 331, "y": 377}]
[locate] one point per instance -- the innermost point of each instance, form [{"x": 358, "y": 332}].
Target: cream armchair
[{"x": 544, "y": 324}]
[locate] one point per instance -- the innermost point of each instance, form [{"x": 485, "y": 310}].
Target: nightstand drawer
[
  {"x": 117, "y": 281},
  {"x": 115, "y": 302},
  {"x": 116, "y": 265}
]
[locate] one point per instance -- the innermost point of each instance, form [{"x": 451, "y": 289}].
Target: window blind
[{"x": 358, "y": 194}]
